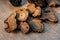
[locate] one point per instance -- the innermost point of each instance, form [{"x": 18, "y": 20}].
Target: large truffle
[{"x": 11, "y": 23}]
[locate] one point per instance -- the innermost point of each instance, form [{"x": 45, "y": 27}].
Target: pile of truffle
[{"x": 32, "y": 17}]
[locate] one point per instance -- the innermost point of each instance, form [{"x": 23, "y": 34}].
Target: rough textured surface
[
  {"x": 52, "y": 31},
  {"x": 10, "y": 23}
]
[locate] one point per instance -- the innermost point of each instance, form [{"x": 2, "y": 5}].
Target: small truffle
[
  {"x": 37, "y": 12},
  {"x": 24, "y": 27}
]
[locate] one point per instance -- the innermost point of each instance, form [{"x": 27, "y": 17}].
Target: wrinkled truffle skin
[
  {"x": 31, "y": 7},
  {"x": 22, "y": 14},
  {"x": 52, "y": 17},
  {"x": 49, "y": 15},
  {"x": 24, "y": 27},
  {"x": 10, "y": 23},
  {"x": 36, "y": 25},
  {"x": 35, "y": 11}
]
